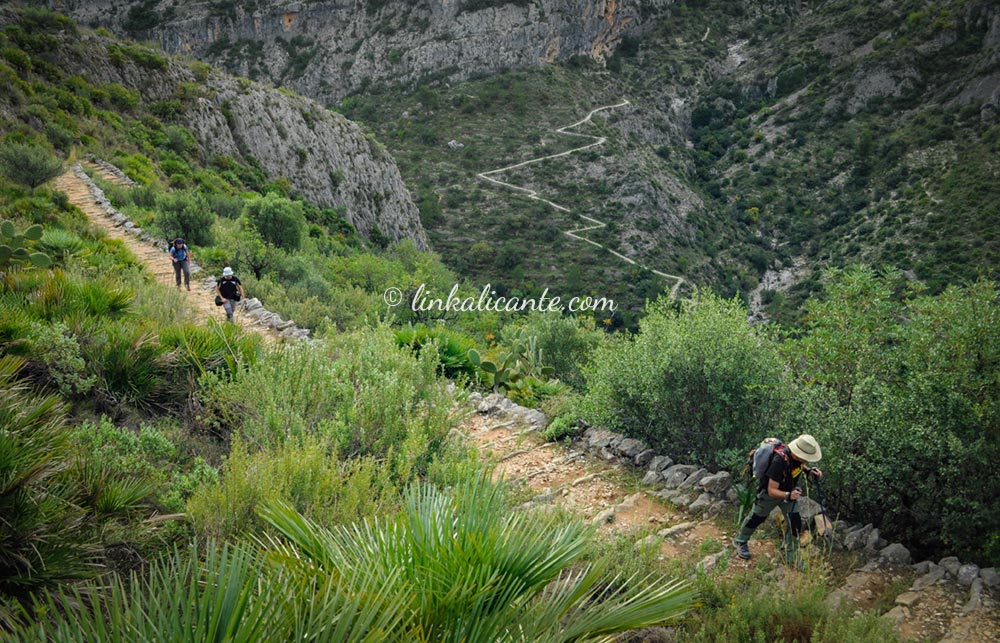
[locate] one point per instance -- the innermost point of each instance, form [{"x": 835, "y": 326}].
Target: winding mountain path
[{"x": 596, "y": 224}]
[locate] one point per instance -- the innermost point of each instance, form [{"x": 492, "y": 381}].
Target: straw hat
[{"x": 806, "y": 448}]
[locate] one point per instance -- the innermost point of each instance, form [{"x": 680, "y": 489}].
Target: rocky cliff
[
  {"x": 324, "y": 156},
  {"x": 328, "y": 49}
]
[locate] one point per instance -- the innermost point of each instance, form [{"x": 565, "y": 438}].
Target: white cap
[{"x": 227, "y": 272}]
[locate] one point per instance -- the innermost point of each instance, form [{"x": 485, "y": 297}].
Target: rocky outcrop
[
  {"x": 325, "y": 157},
  {"x": 329, "y": 48}
]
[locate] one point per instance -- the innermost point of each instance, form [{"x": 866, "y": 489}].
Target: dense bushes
[
  {"x": 899, "y": 387},
  {"x": 903, "y": 392},
  {"x": 363, "y": 394},
  {"x": 699, "y": 382}
]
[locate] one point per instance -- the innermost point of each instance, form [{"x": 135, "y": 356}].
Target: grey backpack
[{"x": 760, "y": 457}]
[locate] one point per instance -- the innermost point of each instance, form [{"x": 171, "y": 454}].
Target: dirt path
[
  {"x": 200, "y": 300},
  {"x": 611, "y": 496},
  {"x": 596, "y": 225}
]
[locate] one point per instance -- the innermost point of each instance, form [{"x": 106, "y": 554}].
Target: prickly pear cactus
[{"x": 14, "y": 247}]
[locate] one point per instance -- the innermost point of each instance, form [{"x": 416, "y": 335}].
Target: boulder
[
  {"x": 895, "y": 554},
  {"x": 716, "y": 483},
  {"x": 922, "y": 567},
  {"x": 677, "y": 474},
  {"x": 935, "y": 575},
  {"x": 908, "y": 599},
  {"x": 606, "y": 516},
  {"x": 808, "y": 509},
  {"x": 897, "y": 614},
  {"x": 693, "y": 479},
  {"x": 990, "y": 577},
  {"x": 644, "y": 458},
  {"x": 651, "y": 477},
  {"x": 731, "y": 496},
  {"x": 872, "y": 541},
  {"x": 967, "y": 574},
  {"x": 857, "y": 538},
  {"x": 630, "y": 447},
  {"x": 660, "y": 463},
  {"x": 975, "y": 597},
  {"x": 600, "y": 438},
  {"x": 709, "y": 562},
  {"x": 701, "y": 503},
  {"x": 950, "y": 564}
]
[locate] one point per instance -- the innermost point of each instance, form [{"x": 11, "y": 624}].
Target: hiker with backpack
[
  {"x": 228, "y": 291},
  {"x": 778, "y": 468},
  {"x": 181, "y": 256}
]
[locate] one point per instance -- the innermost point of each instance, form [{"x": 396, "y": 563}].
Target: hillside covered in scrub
[{"x": 167, "y": 475}]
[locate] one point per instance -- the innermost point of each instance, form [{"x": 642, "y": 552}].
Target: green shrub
[
  {"x": 451, "y": 346},
  {"x": 280, "y": 221},
  {"x": 28, "y": 165},
  {"x": 58, "y": 349},
  {"x": 698, "y": 381},
  {"x": 565, "y": 342},
  {"x": 199, "y": 349},
  {"x": 302, "y": 473},
  {"x": 363, "y": 393},
  {"x": 185, "y": 214},
  {"x": 744, "y": 609},
  {"x": 562, "y": 427},
  {"x": 130, "y": 366}
]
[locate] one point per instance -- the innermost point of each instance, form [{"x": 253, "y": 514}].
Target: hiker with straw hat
[{"x": 779, "y": 489}]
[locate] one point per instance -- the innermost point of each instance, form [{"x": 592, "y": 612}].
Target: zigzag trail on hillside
[
  {"x": 200, "y": 299},
  {"x": 608, "y": 494},
  {"x": 533, "y": 194}
]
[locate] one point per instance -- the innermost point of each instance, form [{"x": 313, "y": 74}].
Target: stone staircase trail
[
  {"x": 200, "y": 300},
  {"x": 928, "y": 604}
]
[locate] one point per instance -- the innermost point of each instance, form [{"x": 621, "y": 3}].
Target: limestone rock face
[
  {"x": 327, "y": 49},
  {"x": 325, "y": 157}
]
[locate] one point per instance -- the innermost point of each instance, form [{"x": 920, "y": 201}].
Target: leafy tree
[
  {"x": 280, "y": 221},
  {"x": 28, "y": 165}
]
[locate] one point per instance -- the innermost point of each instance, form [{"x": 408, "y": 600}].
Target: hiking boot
[
  {"x": 742, "y": 550},
  {"x": 189, "y": 288},
  {"x": 229, "y": 318}
]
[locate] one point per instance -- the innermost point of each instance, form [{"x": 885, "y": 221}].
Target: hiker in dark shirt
[
  {"x": 778, "y": 489},
  {"x": 181, "y": 256},
  {"x": 230, "y": 290}
]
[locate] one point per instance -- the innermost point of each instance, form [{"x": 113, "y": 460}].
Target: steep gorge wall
[
  {"x": 325, "y": 157},
  {"x": 328, "y": 49}
]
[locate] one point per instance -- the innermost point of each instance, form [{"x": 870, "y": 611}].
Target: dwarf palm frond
[
  {"x": 39, "y": 540},
  {"x": 466, "y": 568}
]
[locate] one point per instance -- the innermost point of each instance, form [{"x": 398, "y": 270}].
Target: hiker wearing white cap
[
  {"x": 779, "y": 489},
  {"x": 229, "y": 290}
]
